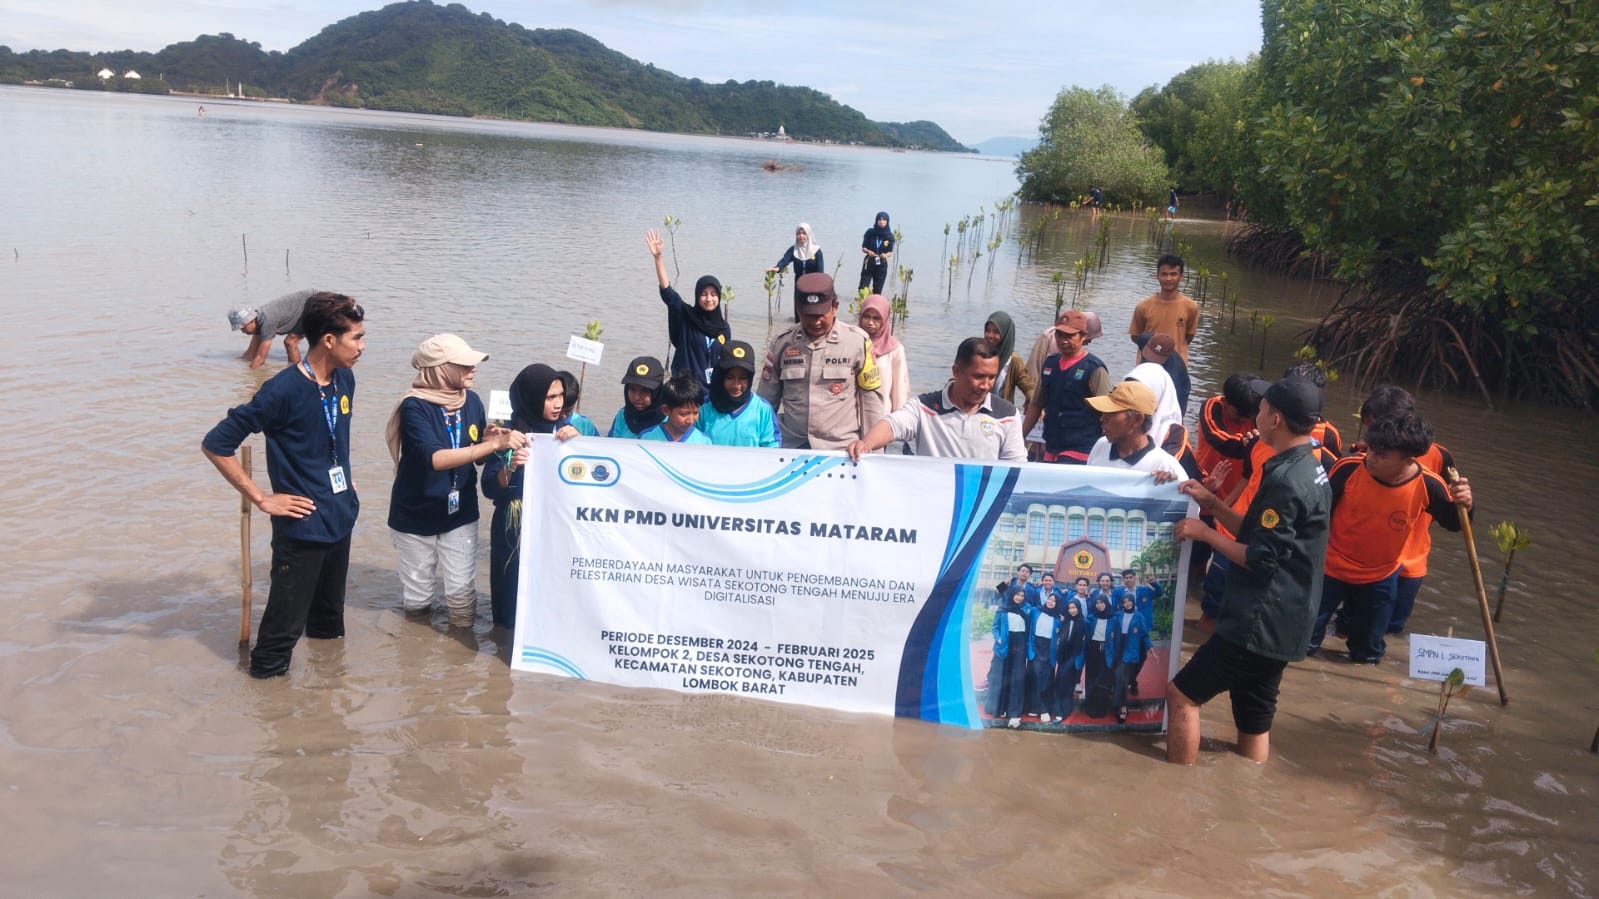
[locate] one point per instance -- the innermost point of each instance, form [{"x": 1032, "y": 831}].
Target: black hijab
[
  {"x": 877, "y": 238},
  {"x": 528, "y": 392},
  {"x": 711, "y": 322},
  {"x": 639, "y": 422}
]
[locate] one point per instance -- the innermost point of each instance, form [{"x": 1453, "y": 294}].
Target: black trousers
[
  {"x": 874, "y": 271},
  {"x": 307, "y": 597}
]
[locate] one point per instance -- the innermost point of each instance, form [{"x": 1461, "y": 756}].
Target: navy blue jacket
[
  {"x": 289, "y": 410},
  {"x": 418, "y": 502},
  {"x": 1069, "y": 422}
]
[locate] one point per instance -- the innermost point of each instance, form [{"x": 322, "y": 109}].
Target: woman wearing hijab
[
  {"x": 1007, "y": 671},
  {"x": 583, "y": 423},
  {"x": 1073, "y": 630},
  {"x": 878, "y": 247},
  {"x": 1132, "y": 648},
  {"x": 697, "y": 332},
  {"x": 1099, "y": 659},
  {"x": 538, "y": 406},
  {"x": 436, "y": 436},
  {"x": 735, "y": 416},
  {"x": 1000, "y": 332},
  {"x": 641, "y": 399},
  {"x": 1167, "y": 429},
  {"x": 805, "y": 256},
  {"x": 877, "y": 320}
]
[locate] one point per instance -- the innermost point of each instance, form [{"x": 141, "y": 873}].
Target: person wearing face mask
[
  {"x": 805, "y": 256},
  {"x": 538, "y": 406},
  {"x": 697, "y": 332},
  {"x": 735, "y": 416},
  {"x": 437, "y": 436}
]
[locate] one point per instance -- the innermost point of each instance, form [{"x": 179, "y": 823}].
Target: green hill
[{"x": 421, "y": 57}]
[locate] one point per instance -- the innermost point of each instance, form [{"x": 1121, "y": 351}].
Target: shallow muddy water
[{"x": 407, "y": 760}]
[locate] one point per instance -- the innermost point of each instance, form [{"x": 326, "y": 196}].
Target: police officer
[{"x": 820, "y": 375}]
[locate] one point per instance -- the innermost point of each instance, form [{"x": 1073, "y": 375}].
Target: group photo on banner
[{"x": 973, "y": 594}]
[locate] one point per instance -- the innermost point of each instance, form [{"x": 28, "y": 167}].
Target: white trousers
[{"x": 444, "y": 566}]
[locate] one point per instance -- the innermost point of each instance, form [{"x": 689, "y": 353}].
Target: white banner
[{"x": 803, "y": 577}]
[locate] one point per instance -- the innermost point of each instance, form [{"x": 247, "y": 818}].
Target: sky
[{"x": 979, "y": 69}]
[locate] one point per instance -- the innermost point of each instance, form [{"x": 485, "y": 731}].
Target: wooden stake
[
  {"x": 244, "y": 555},
  {"x": 1482, "y": 593}
]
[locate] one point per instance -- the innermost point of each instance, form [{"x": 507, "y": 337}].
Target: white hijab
[
  {"x": 808, "y": 250},
  {"x": 1167, "y": 412}
]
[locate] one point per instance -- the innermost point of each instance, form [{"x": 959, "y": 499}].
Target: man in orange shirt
[{"x": 1169, "y": 310}]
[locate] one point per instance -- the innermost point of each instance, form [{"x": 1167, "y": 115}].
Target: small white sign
[
  {"x": 1432, "y": 658},
  {"x": 581, "y": 349},
  {"x": 499, "y": 406}
]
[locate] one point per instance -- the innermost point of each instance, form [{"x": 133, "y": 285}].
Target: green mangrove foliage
[{"x": 1091, "y": 139}]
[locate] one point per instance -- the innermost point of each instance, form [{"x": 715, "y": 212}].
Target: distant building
[
  {"x": 131, "y": 74},
  {"x": 106, "y": 74}
]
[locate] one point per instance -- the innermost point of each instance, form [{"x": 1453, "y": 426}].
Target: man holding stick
[{"x": 304, "y": 411}]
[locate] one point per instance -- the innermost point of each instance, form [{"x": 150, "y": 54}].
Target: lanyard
[
  {"x": 452, "y": 426},
  {"x": 330, "y": 411}
]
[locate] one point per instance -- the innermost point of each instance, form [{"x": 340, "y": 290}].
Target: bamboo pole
[
  {"x": 244, "y": 555},
  {"x": 1482, "y": 593}
]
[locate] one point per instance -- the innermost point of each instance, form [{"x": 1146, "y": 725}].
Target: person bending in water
[{"x": 271, "y": 319}]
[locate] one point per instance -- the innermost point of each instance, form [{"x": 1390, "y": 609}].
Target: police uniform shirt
[{"x": 826, "y": 392}]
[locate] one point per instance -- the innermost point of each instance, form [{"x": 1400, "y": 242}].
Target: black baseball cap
[
  {"x": 736, "y": 354},
  {"x": 645, "y": 371},
  {"x": 1298, "y": 399}
]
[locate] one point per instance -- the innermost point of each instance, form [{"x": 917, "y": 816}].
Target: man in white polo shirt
[
  {"x": 1126, "y": 415},
  {"x": 964, "y": 420}
]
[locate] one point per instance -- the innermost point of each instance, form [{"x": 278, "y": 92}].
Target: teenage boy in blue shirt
[
  {"x": 681, "y": 398},
  {"x": 304, "y": 411}
]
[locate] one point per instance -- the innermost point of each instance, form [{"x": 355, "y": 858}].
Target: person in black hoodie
[
  {"x": 1069, "y": 645},
  {"x": 697, "y": 332},
  {"x": 538, "y": 406},
  {"x": 878, "y": 247}
]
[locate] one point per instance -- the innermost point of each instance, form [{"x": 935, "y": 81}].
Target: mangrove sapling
[
  {"x": 245, "y": 246},
  {"x": 591, "y": 331},
  {"x": 972, "y": 271},
  {"x": 1234, "y": 304},
  {"x": 773, "y": 281},
  {"x": 670, "y": 223},
  {"x": 905, "y": 276},
  {"x": 1266, "y": 321},
  {"x": 1510, "y": 537},
  {"x": 1059, "y": 280},
  {"x": 1224, "y": 287},
  {"x": 950, "y": 290},
  {"x": 946, "y": 238},
  {"x": 1452, "y": 686},
  {"x": 1254, "y": 314}
]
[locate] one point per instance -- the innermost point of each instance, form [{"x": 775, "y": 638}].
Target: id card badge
[
  {"x": 336, "y": 478},
  {"x": 453, "y": 501}
]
